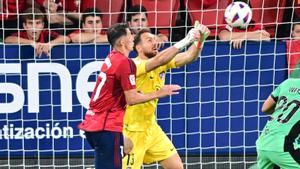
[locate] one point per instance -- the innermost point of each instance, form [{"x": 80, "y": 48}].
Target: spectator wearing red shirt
[
  {"x": 61, "y": 14},
  {"x": 91, "y": 28},
  {"x": 137, "y": 19},
  {"x": 9, "y": 11},
  {"x": 236, "y": 36},
  {"x": 35, "y": 34},
  {"x": 296, "y": 30},
  {"x": 115, "y": 87}
]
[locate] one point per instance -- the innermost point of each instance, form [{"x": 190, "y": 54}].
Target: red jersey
[
  {"x": 107, "y": 105},
  {"x": 67, "y": 5},
  {"x": 11, "y": 8},
  {"x": 45, "y": 36}
]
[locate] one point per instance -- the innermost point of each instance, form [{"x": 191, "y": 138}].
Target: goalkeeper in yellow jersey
[{"x": 150, "y": 143}]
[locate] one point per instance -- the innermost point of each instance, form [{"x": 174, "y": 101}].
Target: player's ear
[
  {"x": 122, "y": 41},
  {"x": 138, "y": 48},
  {"x": 119, "y": 42}
]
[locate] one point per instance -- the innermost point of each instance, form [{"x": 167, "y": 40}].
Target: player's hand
[
  {"x": 204, "y": 32},
  {"x": 192, "y": 36},
  {"x": 128, "y": 145},
  {"x": 167, "y": 90}
]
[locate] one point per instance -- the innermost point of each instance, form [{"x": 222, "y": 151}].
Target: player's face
[
  {"x": 296, "y": 32},
  {"x": 128, "y": 40},
  {"x": 34, "y": 28},
  {"x": 148, "y": 45},
  {"x": 92, "y": 24},
  {"x": 138, "y": 22}
]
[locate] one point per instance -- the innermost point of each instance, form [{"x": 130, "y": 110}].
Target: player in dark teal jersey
[{"x": 279, "y": 143}]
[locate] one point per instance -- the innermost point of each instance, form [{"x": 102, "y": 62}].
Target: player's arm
[
  {"x": 269, "y": 105},
  {"x": 193, "y": 52},
  {"x": 133, "y": 97},
  {"x": 187, "y": 57},
  {"x": 161, "y": 58},
  {"x": 168, "y": 54}
]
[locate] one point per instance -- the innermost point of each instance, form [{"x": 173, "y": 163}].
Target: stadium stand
[
  {"x": 161, "y": 14},
  {"x": 209, "y": 13},
  {"x": 269, "y": 13},
  {"x": 112, "y": 10}
]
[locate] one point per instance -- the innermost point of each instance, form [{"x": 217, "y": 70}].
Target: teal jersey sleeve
[{"x": 275, "y": 93}]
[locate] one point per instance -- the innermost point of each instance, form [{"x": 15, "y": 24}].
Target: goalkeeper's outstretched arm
[{"x": 193, "y": 52}]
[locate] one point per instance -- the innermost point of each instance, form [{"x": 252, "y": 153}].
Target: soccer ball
[{"x": 238, "y": 14}]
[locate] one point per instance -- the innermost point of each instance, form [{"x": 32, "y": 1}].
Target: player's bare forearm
[
  {"x": 161, "y": 58},
  {"x": 269, "y": 105},
  {"x": 187, "y": 57},
  {"x": 133, "y": 97}
]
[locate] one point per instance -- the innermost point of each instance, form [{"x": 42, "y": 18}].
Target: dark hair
[
  {"x": 90, "y": 12},
  {"x": 137, "y": 37},
  {"x": 136, "y": 9},
  {"x": 32, "y": 13},
  {"x": 116, "y": 31}
]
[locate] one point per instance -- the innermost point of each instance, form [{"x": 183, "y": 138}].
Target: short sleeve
[
  {"x": 126, "y": 74},
  {"x": 275, "y": 93},
  {"x": 54, "y": 35},
  {"x": 171, "y": 64}
]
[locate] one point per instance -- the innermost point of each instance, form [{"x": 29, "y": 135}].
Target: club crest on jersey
[
  {"x": 162, "y": 75},
  {"x": 132, "y": 79}
]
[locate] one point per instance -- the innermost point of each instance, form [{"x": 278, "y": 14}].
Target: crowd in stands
[{"x": 86, "y": 21}]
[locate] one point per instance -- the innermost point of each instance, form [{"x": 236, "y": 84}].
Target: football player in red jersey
[{"x": 115, "y": 87}]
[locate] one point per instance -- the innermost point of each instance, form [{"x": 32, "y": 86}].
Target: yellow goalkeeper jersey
[{"x": 139, "y": 117}]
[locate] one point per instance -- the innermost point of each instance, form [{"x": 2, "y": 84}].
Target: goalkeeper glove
[
  {"x": 192, "y": 35},
  {"x": 204, "y": 34}
]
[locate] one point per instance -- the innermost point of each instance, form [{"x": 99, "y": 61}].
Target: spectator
[
  {"x": 112, "y": 10},
  {"x": 296, "y": 30},
  {"x": 236, "y": 36},
  {"x": 293, "y": 47},
  {"x": 35, "y": 34},
  {"x": 61, "y": 14},
  {"x": 8, "y": 18},
  {"x": 91, "y": 28},
  {"x": 137, "y": 19}
]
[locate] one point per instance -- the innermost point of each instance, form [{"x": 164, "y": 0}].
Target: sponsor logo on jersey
[
  {"x": 162, "y": 75},
  {"x": 132, "y": 79}
]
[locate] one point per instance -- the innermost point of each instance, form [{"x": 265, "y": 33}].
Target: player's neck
[
  {"x": 122, "y": 50},
  {"x": 142, "y": 56}
]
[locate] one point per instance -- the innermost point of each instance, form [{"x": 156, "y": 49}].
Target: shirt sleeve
[
  {"x": 54, "y": 35},
  {"x": 275, "y": 93},
  {"x": 171, "y": 64},
  {"x": 126, "y": 74}
]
